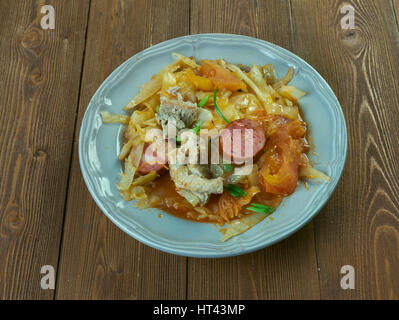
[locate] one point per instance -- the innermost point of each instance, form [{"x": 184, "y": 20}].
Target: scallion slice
[
  {"x": 203, "y": 101},
  {"x": 197, "y": 128},
  {"x": 228, "y": 167},
  {"x": 235, "y": 191},
  {"x": 217, "y": 108},
  {"x": 260, "y": 208}
]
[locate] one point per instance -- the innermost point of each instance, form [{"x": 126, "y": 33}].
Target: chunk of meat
[
  {"x": 221, "y": 77},
  {"x": 217, "y": 170},
  {"x": 279, "y": 171},
  {"x": 194, "y": 179},
  {"x": 183, "y": 114},
  {"x": 151, "y": 160},
  {"x": 242, "y": 140}
]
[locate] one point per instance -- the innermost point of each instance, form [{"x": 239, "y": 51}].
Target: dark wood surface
[{"x": 47, "y": 216}]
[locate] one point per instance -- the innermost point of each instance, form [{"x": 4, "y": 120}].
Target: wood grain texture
[
  {"x": 39, "y": 84},
  {"x": 287, "y": 270},
  {"x": 41, "y": 73},
  {"x": 99, "y": 261},
  {"x": 359, "y": 226},
  {"x": 395, "y": 4}
]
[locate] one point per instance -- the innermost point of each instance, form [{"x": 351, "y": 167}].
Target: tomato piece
[
  {"x": 200, "y": 83},
  {"x": 221, "y": 77},
  {"x": 279, "y": 174},
  {"x": 279, "y": 171}
]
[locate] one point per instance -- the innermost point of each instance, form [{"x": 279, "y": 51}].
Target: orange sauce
[{"x": 175, "y": 204}]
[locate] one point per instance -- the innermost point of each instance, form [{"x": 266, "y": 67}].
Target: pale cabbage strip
[
  {"x": 205, "y": 116},
  {"x": 270, "y": 73},
  {"x": 114, "y": 118},
  {"x": 138, "y": 192},
  {"x": 312, "y": 173},
  {"x": 131, "y": 164},
  {"x": 186, "y": 61},
  {"x": 263, "y": 97},
  {"x": 136, "y": 152},
  {"x": 155, "y": 84},
  {"x": 168, "y": 81},
  {"x": 290, "y": 112},
  {"x": 151, "y": 87},
  {"x": 146, "y": 91},
  {"x": 291, "y": 92},
  {"x": 237, "y": 227},
  {"x": 257, "y": 76},
  {"x": 127, "y": 176},
  {"x": 284, "y": 80},
  {"x": 264, "y": 92},
  {"x": 127, "y": 147},
  {"x": 145, "y": 179}
]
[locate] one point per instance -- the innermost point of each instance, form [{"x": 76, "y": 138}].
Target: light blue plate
[{"x": 99, "y": 146}]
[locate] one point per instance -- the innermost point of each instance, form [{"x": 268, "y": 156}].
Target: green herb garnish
[
  {"x": 157, "y": 109},
  {"x": 236, "y": 191},
  {"x": 197, "y": 128},
  {"x": 260, "y": 208},
  {"x": 217, "y": 108},
  {"x": 228, "y": 167},
  {"x": 203, "y": 101}
]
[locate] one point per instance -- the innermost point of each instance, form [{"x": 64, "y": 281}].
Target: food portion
[
  {"x": 244, "y": 147},
  {"x": 216, "y": 142}
]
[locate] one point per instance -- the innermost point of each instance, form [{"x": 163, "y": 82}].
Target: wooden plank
[
  {"x": 98, "y": 260},
  {"x": 39, "y": 84},
  {"x": 396, "y": 11},
  {"x": 360, "y": 224},
  {"x": 284, "y": 271}
]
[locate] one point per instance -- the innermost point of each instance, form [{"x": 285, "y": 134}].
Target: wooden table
[{"x": 47, "y": 216}]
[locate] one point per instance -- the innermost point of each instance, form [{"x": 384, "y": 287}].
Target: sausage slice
[
  {"x": 242, "y": 140},
  {"x": 151, "y": 160}
]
